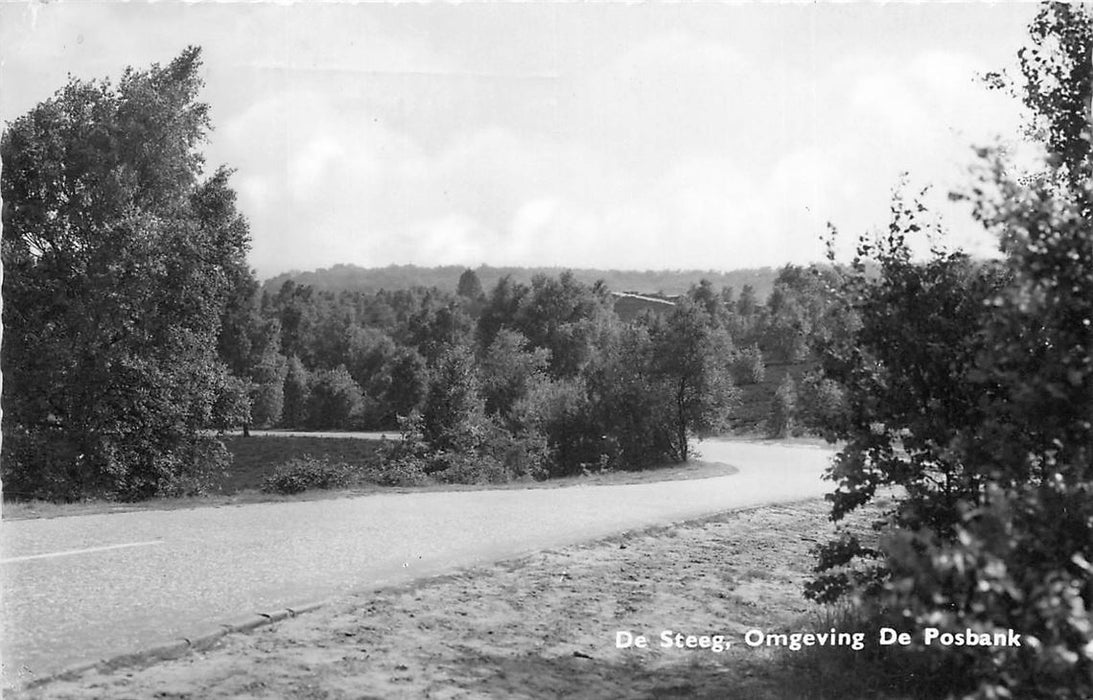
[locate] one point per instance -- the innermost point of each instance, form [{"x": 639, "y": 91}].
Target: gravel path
[{"x": 155, "y": 576}]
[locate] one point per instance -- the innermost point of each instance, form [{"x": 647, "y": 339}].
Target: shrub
[
  {"x": 559, "y": 412},
  {"x": 487, "y": 453},
  {"x": 401, "y": 471},
  {"x": 821, "y": 405},
  {"x": 307, "y": 472}
]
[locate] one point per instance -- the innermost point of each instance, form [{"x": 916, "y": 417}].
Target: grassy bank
[{"x": 256, "y": 457}]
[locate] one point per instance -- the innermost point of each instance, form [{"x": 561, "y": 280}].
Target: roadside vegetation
[
  {"x": 272, "y": 468},
  {"x": 968, "y": 386}
]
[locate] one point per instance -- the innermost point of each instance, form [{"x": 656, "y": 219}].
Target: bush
[
  {"x": 1018, "y": 563},
  {"x": 488, "y": 453},
  {"x": 307, "y": 472},
  {"x": 560, "y": 413},
  {"x": 822, "y": 405}
]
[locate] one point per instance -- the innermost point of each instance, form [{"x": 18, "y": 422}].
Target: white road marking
[{"x": 69, "y": 552}]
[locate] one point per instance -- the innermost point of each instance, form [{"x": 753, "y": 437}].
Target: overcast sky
[{"x": 614, "y": 136}]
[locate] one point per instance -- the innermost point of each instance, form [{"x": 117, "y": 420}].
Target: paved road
[
  {"x": 357, "y": 435},
  {"x": 83, "y": 588}
]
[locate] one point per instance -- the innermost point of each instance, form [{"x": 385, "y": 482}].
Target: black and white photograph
[{"x": 521, "y": 350}]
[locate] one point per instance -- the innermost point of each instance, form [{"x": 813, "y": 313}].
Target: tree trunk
[{"x": 681, "y": 420}]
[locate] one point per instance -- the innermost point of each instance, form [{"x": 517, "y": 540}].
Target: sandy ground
[{"x": 542, "y": 626}]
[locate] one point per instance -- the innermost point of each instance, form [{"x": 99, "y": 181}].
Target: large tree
[
  {"x": 119, "y": 259},
  {"x": 691, "y": 357}
]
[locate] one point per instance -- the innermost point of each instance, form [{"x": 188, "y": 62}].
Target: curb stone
[
  {"x": 278, "y": 615},
  {"x": 206, "y": 641},
  {"x": 247, "y": 623},
  {"x": 173, "y": 649},
  {"x": 301, "y": 609}
]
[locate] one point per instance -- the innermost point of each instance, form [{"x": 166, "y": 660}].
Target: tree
[
  {"x": 335, "y": 400},
  {"x": 747, "y": 304},
  {"x": 691, "y": 355},
  {"x": 453, "y": 412},
  {"x": 991, "y": 434},
  {"x": 119, "y": 260},
  {"x": 822, "y": 406},
  {"x": 712, "y": 302},
  {"x": 437, "y": 324},
  {"x": 470, "y": 287},
  {"x": 406, "y": 381},
  {"x": 783, "y": 409},
  {"x": 509, "y": 369},
  {"x": 565, "y": 318},
  {"x": 232, "y": 406},
  {"x": 367, "y": 351},
  {"x": 500, "y": 309},
  {"x": 904, "y": 376},
  {"x": 626, "y": 419},
  {"x": 267, "y": 395},
  {"x": 297, "y": 394}
]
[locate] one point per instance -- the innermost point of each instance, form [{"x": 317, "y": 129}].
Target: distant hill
[{"x": 651, "y": 282}]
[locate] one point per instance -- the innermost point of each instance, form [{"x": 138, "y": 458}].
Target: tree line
[
  {"x": 537, "y": 379},
  {"x": 348, "y": 277}
]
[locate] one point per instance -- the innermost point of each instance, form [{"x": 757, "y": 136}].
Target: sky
[{"x": 621, "y": 136}]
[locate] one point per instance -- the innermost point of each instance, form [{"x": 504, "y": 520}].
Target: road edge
[
  {"x": 175, "y": 649},
  {"x": 166, "y": 651}
]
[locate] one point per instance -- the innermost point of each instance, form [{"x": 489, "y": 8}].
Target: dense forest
[{"x": 538, "y": 379}]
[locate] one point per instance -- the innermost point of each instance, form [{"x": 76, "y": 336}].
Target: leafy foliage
[
  {"x": 970, "y": 385},
  {"x": 119, "y": 261},
  {"x": 296, "y": 393},
  {"x": 509, "y": 369},
  {"x": 335, "y": 401},
  {"x": 304, "y": 473},
  {"x": 691, "y": 356}
]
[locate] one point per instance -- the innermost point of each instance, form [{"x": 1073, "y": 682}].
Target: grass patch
[
  {"x": 256, "y": 458},
  {"x": 756, "y": 399}
]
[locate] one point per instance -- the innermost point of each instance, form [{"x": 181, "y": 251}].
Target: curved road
[{"x": 82, "y": 588}]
